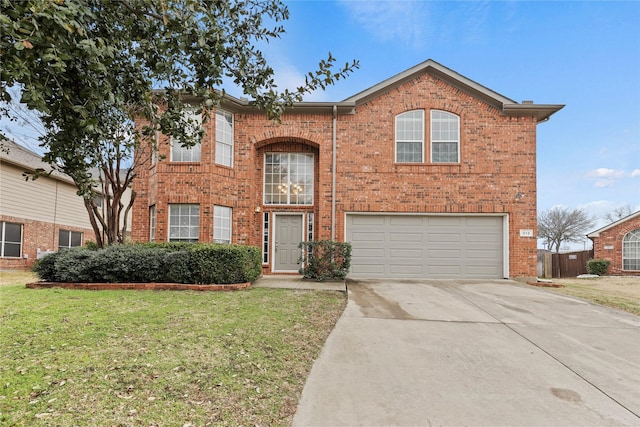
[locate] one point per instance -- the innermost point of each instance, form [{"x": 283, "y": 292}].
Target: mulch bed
[{"x": 138, "y": 286}]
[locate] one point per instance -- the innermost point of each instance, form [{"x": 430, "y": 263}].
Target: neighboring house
[
  {"x": 428, "y": 174},
  {"x": 619, "y": 242},
  {"x": 36, "y": 216}
]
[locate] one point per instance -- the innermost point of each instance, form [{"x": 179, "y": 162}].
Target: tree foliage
[
  {"x": 558, "y": 225},
  {"x": 89, "y": 66}
]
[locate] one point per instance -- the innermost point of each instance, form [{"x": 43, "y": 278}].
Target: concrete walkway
[{"x": 490, "y": 353}]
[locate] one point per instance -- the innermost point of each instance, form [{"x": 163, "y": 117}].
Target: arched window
[
  {"x": 631, "y": 250},
  {"x": 410, "y": 137},
  {"x": 445, "y": 137}
]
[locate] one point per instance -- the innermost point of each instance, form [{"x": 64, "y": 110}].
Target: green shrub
[
  {"x": 179, "y": 267},
  {"x": 598, "y": 266},
  {"x": 76, "y": 265},
  {"x": 45, "y": 267},
  {"x": 163, "y": 262},
  {"x": 325, "y": 259}
]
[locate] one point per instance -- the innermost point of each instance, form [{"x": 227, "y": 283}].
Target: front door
[{"x": 287, "y": 238}]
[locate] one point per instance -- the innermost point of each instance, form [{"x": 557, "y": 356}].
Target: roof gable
[
  {"x": 613, "y": 224},
  {"x": 507, "y": 106}
]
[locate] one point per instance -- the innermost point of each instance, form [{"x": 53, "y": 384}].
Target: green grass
[{"x": 160, "y": 358}]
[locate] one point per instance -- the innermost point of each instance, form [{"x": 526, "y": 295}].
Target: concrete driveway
[{"x": 483, "y": 353}]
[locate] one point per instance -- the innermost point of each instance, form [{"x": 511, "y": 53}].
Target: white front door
[{"x": 288, "y": 235}]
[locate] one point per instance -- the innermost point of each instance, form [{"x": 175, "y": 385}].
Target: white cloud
[
  {"x": 605, "y": 177},
  {"x": 404, "y": 21},
  {"x": 605, "y": 173}
]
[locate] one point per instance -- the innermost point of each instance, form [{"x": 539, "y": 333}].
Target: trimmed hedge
[
  {"x": 598, "y": 266},
  {"x": 195, "y": 263},
  {"x": 325, "y": 259}
]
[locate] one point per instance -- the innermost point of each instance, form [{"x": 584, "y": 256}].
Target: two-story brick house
[{"x": 428, "y": 174}]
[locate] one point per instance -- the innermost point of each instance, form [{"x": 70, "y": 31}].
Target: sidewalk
[{"x": 298, "y": 282}]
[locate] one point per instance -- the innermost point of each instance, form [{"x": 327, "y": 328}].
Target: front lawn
[{"x": 158, "y": 358}]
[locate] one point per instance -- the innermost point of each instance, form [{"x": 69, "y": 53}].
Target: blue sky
[{"x": 582, "y": 54}]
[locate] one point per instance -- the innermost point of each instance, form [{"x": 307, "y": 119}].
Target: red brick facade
[
  {"x": 496, "y": 173},
  {"x": 37, "y": 236},
  {"x": 607, "y": 244}
]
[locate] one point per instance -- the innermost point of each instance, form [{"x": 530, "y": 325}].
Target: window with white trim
[
  {"x": 410, "y": 137},
  {"x": 288, "y": 179},
  {"x": 222, "y": 224},
  {"x": 265, "y": 238},
  {"x": 152, "y": 223},
  {"x": 445, "y": 137},
  {"x": 224, "y": 138},
  {"x": 310, "y": 228},
  {"x": 179, "y": 153},
  {"x": 631, "y": 251},
  {"x": 69, "y": 239},
  {"x": 10, "y": 240},
  {"x": 184, "y": 222}
]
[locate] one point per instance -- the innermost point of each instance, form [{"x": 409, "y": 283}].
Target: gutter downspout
[{"x": 333, "y": 175}]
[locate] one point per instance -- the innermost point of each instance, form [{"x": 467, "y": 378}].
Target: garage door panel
[
  {"x": 368, "y": 220},
  {"x": 423, "y": 246},
  {"x": 406, "y": 270},
  {"x": 405, "y": 236},
  {"x": 405, "y": 221},
  {"x": 413, "y": 254},
  {"x": 438, "y": 237},
  {"x": 369, "y": 253},
  {"x": 369, "y": 236}
]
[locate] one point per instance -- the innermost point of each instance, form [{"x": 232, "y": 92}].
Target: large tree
[
  {"x": 559, "y": 224},
  {"x": 88, "y": 67}
]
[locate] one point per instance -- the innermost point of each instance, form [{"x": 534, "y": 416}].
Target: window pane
[
  {"x": 409, "y": 152},
  {"x": 64, "y": 238},
  {"x": 289, "y": 178},
  {"x": 184, "y": 222},
  {"x": 76, "y": 238},
  {"x": 445, "y": 137},
  {"x": 222, "y": 224},
  {"x": 224, "y": 138},
  {"x": 631, "y": 251},
  {"x": 12, "y": 250},
  {"x": 10, "y": 239},
  {"x": 409, "y": 137},
  {"x": 13, "y": 233},
  {"x": 188, "y": 154},
  {"x": 445, "y": 152}
]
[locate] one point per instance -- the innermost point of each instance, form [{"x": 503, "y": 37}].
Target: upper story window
[
  {"x": 410, "y": 137},
  {"x": 445, "y": 137},
  {"x": 224, "y": 138},
  {"x": 288, "y": 179},
  {"x": 188, "y": 154},
  {"x": 10, "y": 240},
  {"x": 69, "y": 239},
  {"x": 184, "y": 222},
  {"x": 222, "y": 224},
  {"x": 631, "y": 251}
]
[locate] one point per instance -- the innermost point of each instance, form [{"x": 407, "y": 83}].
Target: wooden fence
[{"x": 569, "y": 264}]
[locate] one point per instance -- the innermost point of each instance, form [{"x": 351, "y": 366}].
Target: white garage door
[{"x": 420, "y": 246}]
